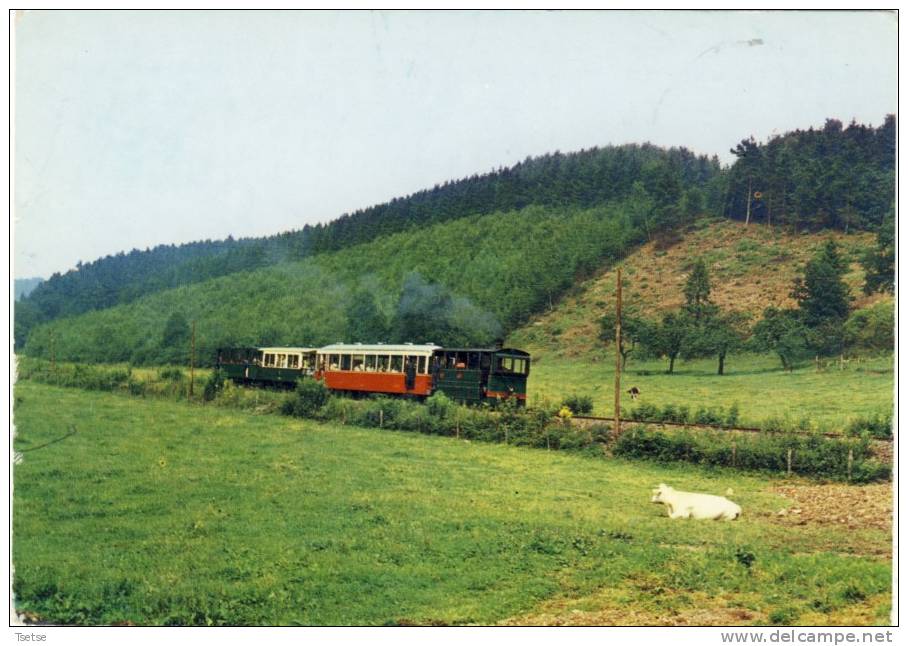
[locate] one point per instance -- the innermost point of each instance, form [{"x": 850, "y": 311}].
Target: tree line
[{"x": 835, "y": 178}]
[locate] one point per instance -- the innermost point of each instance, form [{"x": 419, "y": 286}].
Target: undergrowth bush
[
  {"x": 579, "y": 404},
  {"x": 308, "y": 398},
  {"x": 878, "y": 426},
  {"x": 681, "y": 414}
]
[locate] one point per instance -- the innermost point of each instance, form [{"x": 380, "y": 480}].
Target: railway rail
[{"x": 714, "y": 427}]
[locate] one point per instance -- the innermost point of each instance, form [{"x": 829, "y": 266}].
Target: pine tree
[
  {"x": 879, "y": 262},
  {"x": 822, "y": 294},
  {"x": 696, "y": 293}
]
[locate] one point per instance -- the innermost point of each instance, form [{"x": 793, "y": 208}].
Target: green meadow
[
  {"x": 830, "y": 397},
  {"x": 157, "y": 512}
]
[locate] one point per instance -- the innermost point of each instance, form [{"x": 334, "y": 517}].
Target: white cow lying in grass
[{"x": 683, "y": 504}]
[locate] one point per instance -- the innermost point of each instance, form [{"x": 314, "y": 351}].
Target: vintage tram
[
  {"x": 467, "y": 375},
  {"x": 269, "y": 366}
]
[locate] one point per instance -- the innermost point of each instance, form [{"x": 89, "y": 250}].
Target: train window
[
  {"x": 322, "y": 361},
  {"x": 381, "y": 363},
  {"x": 397, "y": 363},
  {"x": 282, "y": 361},
  {"x": 345, "y": 362},
  {"x": 293, "y": 361},
  {"x": 519, "y": 366},
  {"x": 421, "y": 368},
  {"x": 506, "y": 364},
  {"x": 357, "y": 362},
  {"x": 269, "y": 359},
  {"x": 473, "y": 361},
  {"x": 370, "y": 362},
  {"x": 485, "y": 361}
]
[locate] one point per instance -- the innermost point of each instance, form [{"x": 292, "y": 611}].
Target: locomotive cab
[{"x": 477, "y": 375}]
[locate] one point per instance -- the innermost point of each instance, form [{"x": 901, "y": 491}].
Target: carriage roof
[
  {"x": 404, "y": 348},
  {"x": 286, "y": 350},
  {"x": 509, "y": 351}
]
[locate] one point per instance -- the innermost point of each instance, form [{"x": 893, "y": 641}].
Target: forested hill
[
  {"x": 834, "y": 177},
  {"x": 582, "y": 179}
]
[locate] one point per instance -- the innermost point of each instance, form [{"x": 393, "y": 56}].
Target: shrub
[
  {"x": 171, "y": 374},
  {"x": 601, "y": 433},
  {"x": 878, "y": 426},
  {"x": 440, "y": 406},
  {"x": 733, "y": 416},
  {"x": 308, "y": 398},
  {"x": 213, "y": 386},
  {"x": 579, "y": 404},
  {"x": 645, "y": 413},
  {"x": 708, "y": 416}
]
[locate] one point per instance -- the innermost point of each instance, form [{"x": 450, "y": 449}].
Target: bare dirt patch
[
  {"x": 840, "y": 505},
  {"x": 611, "y": 608}
]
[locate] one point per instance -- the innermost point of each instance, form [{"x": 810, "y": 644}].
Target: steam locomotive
[{"x": 467, "y": 375}]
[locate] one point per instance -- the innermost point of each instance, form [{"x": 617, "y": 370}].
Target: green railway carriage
[
  {"x": 272, "y": 366},
  {"x": 477, "y": 375}
]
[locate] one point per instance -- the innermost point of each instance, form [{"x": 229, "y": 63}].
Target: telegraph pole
[
  {"x": 618, "y": 359},
  {"x": 749, "y": 194}
]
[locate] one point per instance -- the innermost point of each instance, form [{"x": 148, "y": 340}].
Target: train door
[{"x": 410, "y": 372}]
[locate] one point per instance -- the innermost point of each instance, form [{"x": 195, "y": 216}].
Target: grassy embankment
[{"x": 160, "y": 512}]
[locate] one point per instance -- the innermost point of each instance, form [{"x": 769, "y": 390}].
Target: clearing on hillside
[{"x": 751, "y": 267}]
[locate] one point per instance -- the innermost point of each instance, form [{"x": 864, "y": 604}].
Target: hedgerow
[{"x": 810, "y": 455}]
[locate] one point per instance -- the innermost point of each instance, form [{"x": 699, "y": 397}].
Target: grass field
[
  {"x": 158, "y": 512},
  {"x": 755, "y": 382}
]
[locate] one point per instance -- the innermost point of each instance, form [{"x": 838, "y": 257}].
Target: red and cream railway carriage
[{"x": 392, "y": 369}]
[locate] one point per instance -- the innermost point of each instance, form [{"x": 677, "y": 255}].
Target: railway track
[{"x": 712, "y": 427}]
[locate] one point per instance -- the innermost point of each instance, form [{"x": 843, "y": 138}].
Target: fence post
[
  {"x": 850, "y": 462},
  {"x": 789, "y": 462},
  {"x": 734, "y": 453},
  {"x": 381, "y": 417}
]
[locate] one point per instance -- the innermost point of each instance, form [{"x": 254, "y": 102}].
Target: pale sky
[{"x": 140, "y": 128}]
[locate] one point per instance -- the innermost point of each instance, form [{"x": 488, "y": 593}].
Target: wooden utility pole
[
  {"x": 192, "y": 361},
  {"x": 749, "y": 195},
  {"x": 618, "y": 358}
]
